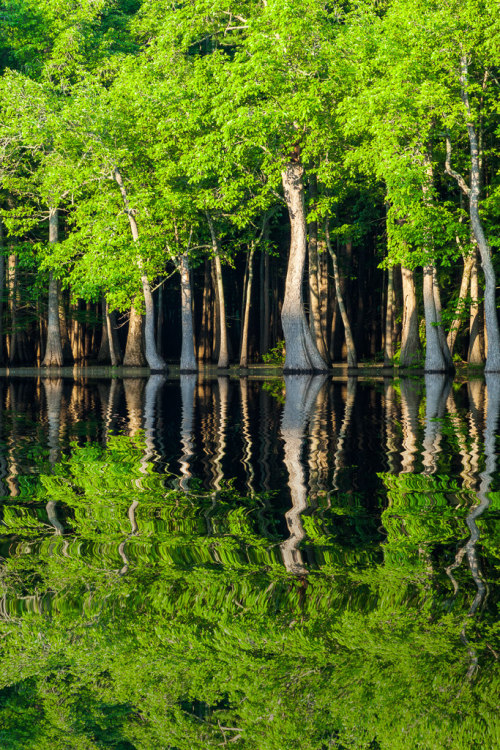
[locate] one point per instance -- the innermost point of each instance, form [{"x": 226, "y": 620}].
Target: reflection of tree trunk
[
  {"x": 344, "y": 429},
  {"x": 470, "y": 548},
  {"x": 188, "y": 385},
  {"x": 410, "y": 401},
  {"x": 151, "y": 395},
  {"x": 223, "y": 385},
  {"x": 390, "y": 422},
  {"x": 247, "y": 437},
  {"x": 300, "y": 400},
  {"x": 318, "y": 448},
  {"x": 134, "y": 388},
  {"x": 53, "y": 395},
  {"x": 111, "y": 407},
  {"x": 437, "y": 387}
]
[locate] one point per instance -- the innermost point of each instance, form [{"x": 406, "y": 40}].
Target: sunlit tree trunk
[
  {"x": 441, "y": 335},
  {"x": 223, "y": 361},
  {"x": 352, "y": 359},
  {"x": 155, "y": 361},
  {"x": 53, "y": 349},
  {"x": 246, "y": 309},
  {"x": 302, "y": 354},
  {"x": 389, "y": 319},
  {"x": 134, "y": 355},
  {"x": 204, "y": 348},
  {"x": 464, "y": 288},
  {"x": 188, "y": 357},
  {"x": 411, "y": 351},
  {"x": 476, "y": 341}
]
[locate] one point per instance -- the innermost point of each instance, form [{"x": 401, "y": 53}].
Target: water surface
[{"x": 264, "y": 564}]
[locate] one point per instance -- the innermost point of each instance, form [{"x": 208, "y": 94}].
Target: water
[{"x": 196, "y": 563}]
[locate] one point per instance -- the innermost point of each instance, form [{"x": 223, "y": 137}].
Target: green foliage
[{"x": 275, "y": 355}]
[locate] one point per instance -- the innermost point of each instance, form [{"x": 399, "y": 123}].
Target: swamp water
[{"x": 193, "y": 563}]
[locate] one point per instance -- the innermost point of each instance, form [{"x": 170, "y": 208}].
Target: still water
[{"x": 260, "y": 564}]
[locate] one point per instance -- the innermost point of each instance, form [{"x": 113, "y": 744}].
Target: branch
[{"x": 456, "y": 176}]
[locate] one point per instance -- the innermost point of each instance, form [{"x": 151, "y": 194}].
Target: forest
[{"x": 298, "y": 182}]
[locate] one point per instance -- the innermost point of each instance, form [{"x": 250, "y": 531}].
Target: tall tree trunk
[
  {"x": 103, "y": 354},
  {"x": 410, "y": 341},
  {"x": 134, "y": 354},
  {"x": 204, "y": 347},
  {"x": 63, "y": 327},
  {"x": 160, "y": 320},
  {"x": 474, "y": 194},
  {"x": 476, "y": 341},
  {"x": 389, "y": 318},
  {"x": 352, "y": 359},
  {"x": 314, "y": 292},
  {"x": 188, "y": 357},
  {"x": 155, "y": 361},
  {"x": 442, "y": 338},
  {"x": 53, "y": 350},
  {"x": 246, "y": 309},
  {"x": 434, "y": 357},
  {"x": 223, "y": 361},
  {"x": 464, "y": 287},
  {"x": 265, "y": 320},
  {"x": 115, "y": 353},
  {"x": 302, "y": 354},
  {"x": 12, "y": 288}
]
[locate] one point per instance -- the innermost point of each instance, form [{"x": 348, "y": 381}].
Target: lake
[{"x": 259, "y": 563}]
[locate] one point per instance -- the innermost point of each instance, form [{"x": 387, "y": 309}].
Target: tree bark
[
  {"x": 411, "y": 351},
  {"x": 134, "y": 354},
  {"x": 246, "y": 309},
  {"x": 442, "y": 338},
  {"x": 53, "y": 350},
  {"x": 476, "y": 341},
  {"x": 315, "y": 322},
  {"x": 352, "y": 359},
  {"x": 188, "y": 357},
  {"x": 389, "y": 319},
  {"x": 474, "y": 194},
  {"x": 155, "y": 361},
  {"x": 265, "y": 321},
  {"x": 2, "y": 289},
  {"x": 434, "y": 357},
  {"x": 223, "y": 361},
  {"x": 204, "y": 347},
  {"x": 115, "y": 353},
  {"x": 302, "y": 354},
  {"x": 464, "y": 287}
]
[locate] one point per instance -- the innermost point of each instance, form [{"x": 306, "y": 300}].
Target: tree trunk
[
  {"x": 352, "y": 359},
  {"x": 442, "y": 338},
  {"x": 115, "y": 353},
  {"x": 314, "y": 292},
  {"x": 265, "y": 321},
  {"x": 410, "y": 341},
  {"x": 302, "y": 354},
  {"x": 246, "y": 310},
  {"x": 223, "y": 361},
  {"x": 134, "y": 355},
  {"x": 53, "y": 350},
  {"x": 204, "y": 347},
  {"x": 155, "y": 361},
  {"x": 104, "y": 354},
  {"x": 464, "y": 287},
  {"x": 474, "y": 194},
  {"x": 476, "y": 342},
  {"x": 434, "y": 357},
  {"x": 12, "y": 286},
  {"x": 389, "y": 319},
  {"x": 188, "y": 357}
]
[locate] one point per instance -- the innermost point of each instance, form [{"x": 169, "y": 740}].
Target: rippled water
[{"x": 264, "y": 564}]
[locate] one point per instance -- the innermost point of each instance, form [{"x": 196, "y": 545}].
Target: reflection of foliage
[
  {"x": 167, "y": 620},
  {"x": 276, "y": 387}
]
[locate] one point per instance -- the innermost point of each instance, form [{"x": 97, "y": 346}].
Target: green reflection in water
[{"x": 133, "y": 615}]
